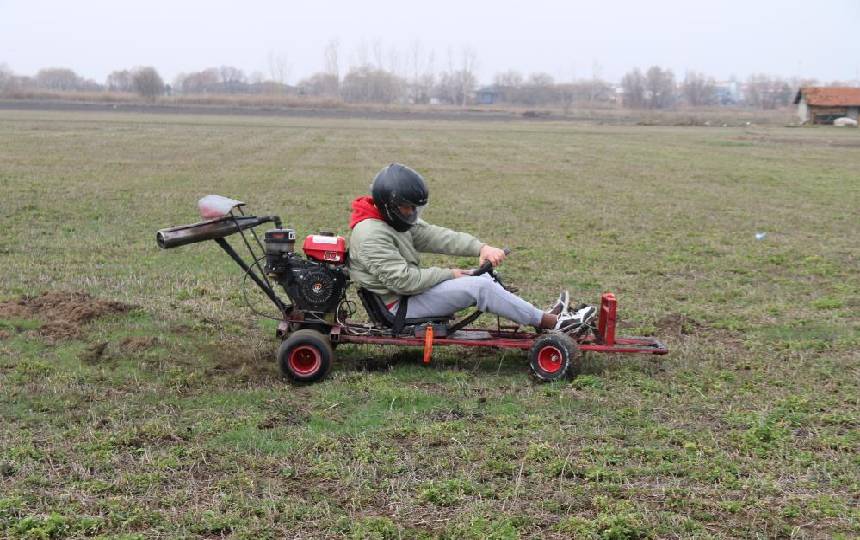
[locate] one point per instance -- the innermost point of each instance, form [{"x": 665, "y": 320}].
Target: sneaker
[
  {"x": 566, "y": 322},
  {"x": 561, "y": 304},
  {"x": 570, "y": 321},
  {"x": 584, "y": 313}
]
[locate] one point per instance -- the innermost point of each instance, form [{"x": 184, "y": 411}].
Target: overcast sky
[{"x": 566, "y": 39}]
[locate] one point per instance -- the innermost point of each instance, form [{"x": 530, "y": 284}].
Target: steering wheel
[{"x": 487, "y": 267}]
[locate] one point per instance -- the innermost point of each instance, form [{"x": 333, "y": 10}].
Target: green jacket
[{"x": 386, "y": 262}]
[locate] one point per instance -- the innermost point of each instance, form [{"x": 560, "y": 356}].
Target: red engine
[{"x": 325, "y": 248}]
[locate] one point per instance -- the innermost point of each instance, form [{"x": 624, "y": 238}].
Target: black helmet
[{"x": 397, "y": 185}]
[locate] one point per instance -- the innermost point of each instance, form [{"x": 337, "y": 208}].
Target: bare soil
[
  {"x": 138, "y": 343},
  {"x": 63, "y": 314},
  {"x": 678, "y": 324}
]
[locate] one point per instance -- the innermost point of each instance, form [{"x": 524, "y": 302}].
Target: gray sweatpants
[{"x": 453, "y": 295}]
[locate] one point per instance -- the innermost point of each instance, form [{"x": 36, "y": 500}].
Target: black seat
[{"x": 380, "y": 315}]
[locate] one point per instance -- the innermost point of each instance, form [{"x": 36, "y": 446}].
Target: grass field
[{"x": 170, "y": 419}]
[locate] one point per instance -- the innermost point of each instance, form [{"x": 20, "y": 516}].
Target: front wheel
[
  {"x": 553, "y": 357},
  {"x": 306, "y": 356}
]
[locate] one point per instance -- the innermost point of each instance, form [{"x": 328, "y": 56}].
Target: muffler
[{"x": 210, "y": 230}]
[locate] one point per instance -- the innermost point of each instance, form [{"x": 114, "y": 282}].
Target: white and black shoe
[
  {"x": 566, "y": 322},
  {"x": 570, "y": 322},
  {"x": 561, "y": 304},
  {"x": 585, "y": 313}
]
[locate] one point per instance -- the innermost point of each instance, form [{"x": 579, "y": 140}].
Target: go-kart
[{"x": 318, "y": 315}]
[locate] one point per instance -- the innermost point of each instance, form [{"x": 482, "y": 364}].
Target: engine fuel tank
[{"x": 325, "y": 248}]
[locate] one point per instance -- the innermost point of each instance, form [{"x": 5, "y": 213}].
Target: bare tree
[
  {"x": 369, "y": 85},
  {"x": 422, "y": 76},
  {"x": 198, "y": 82},
  {"x": 330, "y": 58},
  {"x": 767, "y": 92},
  {"x": 508, "y": 79},
  {"x": 147, "y": 82},
  {"x": 256, "y": 78},
  {"x": 539, "y": 89},
  {"x": 468, "y": 65},
  {"x": 597, "y": 88},
  {"x": 633, "y": 85},
  {"x": 415, "y": 59},
  {"x": 120, "y": 81},
  {"x": 659, "y": 87},
  {"x": 232, "y": 79},
  {"x": 455, "y": 87},
  {"x": 320, "y": 84},
  {"x": 377, "y": 53},
  {"x": 279, "y": 68},
  {"x": 7, "y": 78},
  {"x": 360, "y": 57},
  {"x": 457, "y": 84},
  {"x": 62, "y": 79},
  {"x": 698, "y": 89},
  {"x": 396, "y": 65}
]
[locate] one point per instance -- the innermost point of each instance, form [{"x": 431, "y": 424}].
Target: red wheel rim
[
  {"x": 305, "y": 360},
  {"x": 550, "y": 359}
]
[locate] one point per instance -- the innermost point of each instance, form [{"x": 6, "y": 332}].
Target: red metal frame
[{"x": 512, "y": 339}]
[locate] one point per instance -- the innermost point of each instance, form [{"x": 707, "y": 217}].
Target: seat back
[
  {"x": 375, "y": 307},
  {"x": 379, "y": 314}
]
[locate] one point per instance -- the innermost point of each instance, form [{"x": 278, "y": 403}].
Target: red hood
[{"x": 363, "y": 208}]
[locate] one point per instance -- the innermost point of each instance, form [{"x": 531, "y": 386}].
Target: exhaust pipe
[{"x": 210, "y": 230}]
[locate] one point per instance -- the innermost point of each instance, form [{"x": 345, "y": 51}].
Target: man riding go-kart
[
  {"x": 407, "y": 305},
  {"x": 387, "y": 237}
]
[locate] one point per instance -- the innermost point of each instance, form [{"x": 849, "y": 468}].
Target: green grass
[{"x": 180, "y": 425}]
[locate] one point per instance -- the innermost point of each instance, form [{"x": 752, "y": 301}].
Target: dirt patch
[
  {"x": 239, "y": 360},
  {"x": 63, "y": 314},
  {"x": 138, "y": 343},
  {"x": 447, "y": 415},
  {"x": 450, "y": 415},
  {"x": 682, "y": 327},
  {"x": 678, "y": 324},
  {"x": 94, "y": 353}
]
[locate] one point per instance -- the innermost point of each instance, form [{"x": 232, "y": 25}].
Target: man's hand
[
  {"x": 458, "y": 273},
  {"x": 492, "y": 254}
]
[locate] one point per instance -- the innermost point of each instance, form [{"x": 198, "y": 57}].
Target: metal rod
[
  {"x": 254, "y": 258},
  {"x": 640, "y": 346},
  {"x": 263, "y": 286}
]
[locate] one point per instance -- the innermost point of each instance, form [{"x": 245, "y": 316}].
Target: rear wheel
[
  {"x": 553, "y": 357},
  {"x": 306, "y": 356}
]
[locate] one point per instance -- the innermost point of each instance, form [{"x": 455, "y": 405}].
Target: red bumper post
[
  {"x": 607, "y": 318},
  {"x": 606, "y": 341}
]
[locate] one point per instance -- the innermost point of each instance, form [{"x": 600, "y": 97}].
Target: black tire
[
  {"x": 321, "y": 328},
  {"x": 554, "y": 357},
  {"x": 305, "y": 356}
]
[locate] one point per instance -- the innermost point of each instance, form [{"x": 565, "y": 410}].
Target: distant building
[
  {"x": 823, "y": 105},
  {"x": 488, "y": 95},
  {"x": 727, "y": 93}
]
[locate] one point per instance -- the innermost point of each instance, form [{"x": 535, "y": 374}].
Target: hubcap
[
  {"x": 550, "y": 359},
  {"x": 305, "y": 360}
]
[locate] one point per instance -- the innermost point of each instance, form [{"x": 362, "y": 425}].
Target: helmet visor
[{"x": 408, "y": 212}]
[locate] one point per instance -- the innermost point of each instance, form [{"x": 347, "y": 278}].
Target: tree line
[{"x": 415, "y": 80}]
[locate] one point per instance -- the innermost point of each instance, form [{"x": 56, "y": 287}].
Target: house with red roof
[{"x": 823, "y": 105}]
